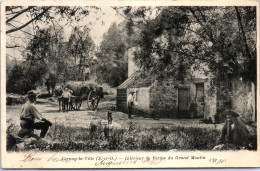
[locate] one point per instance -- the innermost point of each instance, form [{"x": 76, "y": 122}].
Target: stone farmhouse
[{"x": 192, "y": 99}]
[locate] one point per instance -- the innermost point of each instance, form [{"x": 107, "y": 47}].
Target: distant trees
[
  {"x": 39, "y": 57},
  {"x": 42, "y": 44},
  {"x": 112, "y": 66},
  {"x": 48, "y": 55},
  {"x": 80, "y": 48},
  {"x": 17, "y": 82}
]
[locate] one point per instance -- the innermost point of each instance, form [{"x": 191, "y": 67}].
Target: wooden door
[
  {"x": 199, "y": 99},
  {"x": 183, "y": 103}
]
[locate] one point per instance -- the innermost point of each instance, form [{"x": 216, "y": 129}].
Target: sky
[
  {"x": 99, "y": 27},
  {"x": 98, "y": 22}
]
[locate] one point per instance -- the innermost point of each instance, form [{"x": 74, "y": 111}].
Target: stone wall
[
  {"x": 223, "y": 99},
  {"x": 164, "y": 99},
  {"x": 142, "y": 98},
  {"x": 210, "y": 101},
  {"x": 236, "y": 94},
  {"x": 243, "y": 98},
  {"x": 192, "y": 110}
]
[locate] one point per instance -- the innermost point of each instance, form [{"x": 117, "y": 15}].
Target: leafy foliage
[
  {"x": 40, "y": 57},
  {"x": 112, "y": 75},
  {"x": 42, "y": 15},
  {"x": 176, "y": 39},
  {"x": 112, "y": 66},
  {"x": 49, "y": 56},
  {"x": 44, "y": 50},
  {"x": 80, "y": 47},
  {"x": 24, "y": 77}
]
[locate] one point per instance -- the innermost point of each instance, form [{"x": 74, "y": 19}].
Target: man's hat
[
  {"x": 31, "y": 93},
  {"x": 227, "y": 112}
]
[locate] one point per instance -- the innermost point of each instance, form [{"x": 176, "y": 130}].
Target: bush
[
  {"x": 44, "y": 95},
  {"x": 10, "y": 140},
  {"x": 20, "y": 80},
  {"x": 112, "y": 75},
  {"x": 98, "y": 137}
]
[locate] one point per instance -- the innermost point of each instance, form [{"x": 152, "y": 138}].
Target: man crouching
[
  {"x": 234, "y": 134},
  {"x": 27, "y": 119}
]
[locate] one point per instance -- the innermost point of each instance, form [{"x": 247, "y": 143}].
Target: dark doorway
[
  {"x": 199, "y": 100},
  {"x": 183, "y": 102}
]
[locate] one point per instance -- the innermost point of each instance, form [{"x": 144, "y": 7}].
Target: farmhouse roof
[
  {"x": 130, "y": 80},
  {"x": 142, "y": 81},
  {"x": 137, "y": 80}
]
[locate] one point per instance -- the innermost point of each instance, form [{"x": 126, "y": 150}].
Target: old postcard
[{"x": 129, "y": 84}]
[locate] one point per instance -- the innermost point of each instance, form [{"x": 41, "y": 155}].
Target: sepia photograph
[{"x": 136, "y": 85}]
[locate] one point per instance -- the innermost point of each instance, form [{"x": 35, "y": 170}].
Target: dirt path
[{"x": 83, "y": 117}]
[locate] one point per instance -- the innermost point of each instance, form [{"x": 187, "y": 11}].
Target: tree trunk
[
  {"x": 240, "y": 25},
  {"x": 249, "y": 56},
  {"x": 79, "y": 71}
]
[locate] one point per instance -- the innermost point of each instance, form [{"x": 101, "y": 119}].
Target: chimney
[{"x": 131, "y": 65}]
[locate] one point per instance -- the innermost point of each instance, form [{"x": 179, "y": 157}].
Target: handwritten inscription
[
  {"x": 54, "y": 158},
  {"x": 130, "y": 160},
  {"x": 31, "y": 158},
  {"x": 114, "y": 163},
  {"x": 217, "y": 161}
]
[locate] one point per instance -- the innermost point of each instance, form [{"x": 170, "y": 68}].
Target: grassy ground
[
  {"x": 87, "y": 131},
  {"x": 100, "y": 137}
]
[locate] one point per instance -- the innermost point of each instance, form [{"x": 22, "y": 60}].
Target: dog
[{"x": 109, "y": 118}]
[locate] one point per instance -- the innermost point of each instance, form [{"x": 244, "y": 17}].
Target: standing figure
[
  {"x": 130, "y": 103},
  {"x": 66, "y": 95},
  {"x": 52, "y": 83},
  {"x": 27, "y": 119},
  {"x": 48, "y": 84},
  {"x": 234, "y": 130},
  {"x": 86, "y": 73}
]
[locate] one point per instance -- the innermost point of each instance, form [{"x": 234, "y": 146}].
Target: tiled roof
[
  {"x": 129, "y": 81},
  {"x": 142, "y": 82}
]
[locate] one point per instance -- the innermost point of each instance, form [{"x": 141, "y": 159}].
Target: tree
[
  {"x": 41, "y": 14},
  {"x": 22, "y": 22},
  {"x": 80, "y": 47},
  {"x": 44, "y": 58},
  {"x": 112, "y": 67},
  {"x": 45, "y": 51},
  {"x": 16, "y": 82},
  {"x": 223, "y": 38}
]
